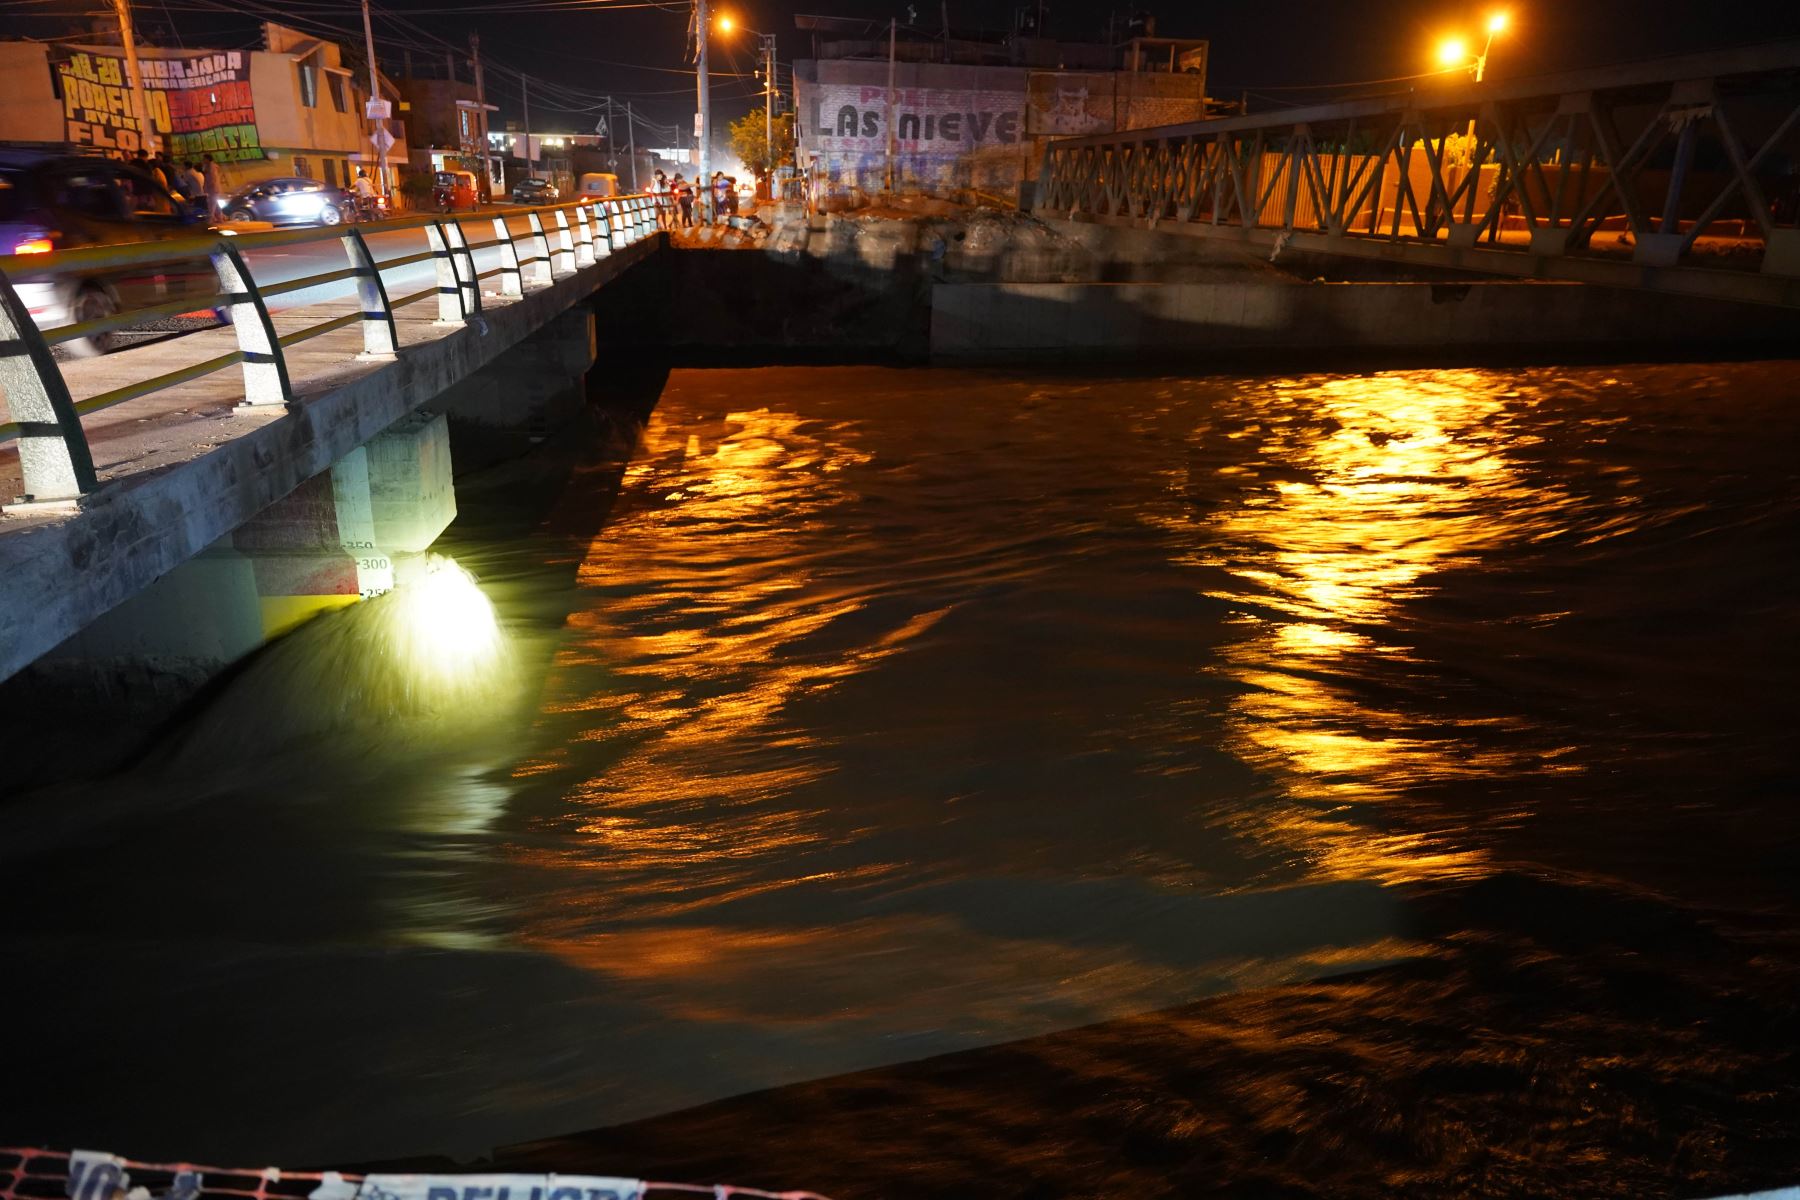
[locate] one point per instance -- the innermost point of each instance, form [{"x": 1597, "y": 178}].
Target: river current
[{"x": 1340, "y": 784}]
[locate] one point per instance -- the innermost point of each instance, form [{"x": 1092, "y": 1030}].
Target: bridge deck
[{"x": 183, "y": 422}]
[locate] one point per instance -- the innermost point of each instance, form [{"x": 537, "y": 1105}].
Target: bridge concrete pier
[
  {"x": 357, "y": 529},
  {"x": 354, "y": 531},
  {"x": 506, "y": 407}
]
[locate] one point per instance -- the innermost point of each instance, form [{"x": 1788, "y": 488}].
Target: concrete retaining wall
[{"x": 1112, "y": 320}]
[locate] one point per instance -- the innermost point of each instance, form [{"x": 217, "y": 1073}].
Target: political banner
[{"x": 198, "y": 103}]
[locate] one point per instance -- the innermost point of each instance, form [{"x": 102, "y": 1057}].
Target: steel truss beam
[{"x": 1653, "y": 175}]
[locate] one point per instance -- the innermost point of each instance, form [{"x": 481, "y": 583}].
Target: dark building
[{"x": 972, "y": 111}]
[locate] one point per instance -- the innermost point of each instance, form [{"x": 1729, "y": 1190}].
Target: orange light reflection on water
[
  {"x": 1373, "y": 484},
  {"x": 700, "y": 707}
]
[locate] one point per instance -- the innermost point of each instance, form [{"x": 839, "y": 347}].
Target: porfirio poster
[{"x": 199, "y": 103}]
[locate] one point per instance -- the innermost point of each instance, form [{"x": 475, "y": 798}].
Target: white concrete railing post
[
  {"x": 641, "y": 228},
  {"x": 542, "y": 269},
  {"x": 584, "y": 240},
  {"x": 265, "y": 370},
  {"x": 53, "y": 449},
  {"x": 603, "y": 239},
  {"x": 449, "y": 289},
  {"x": 565, "y": 244},
  {"x": 462, "y": 259},
  {"x": 512, "y": 282},
  {"x": 615, "y": 224},
  {"x": 379, "y": 338}
]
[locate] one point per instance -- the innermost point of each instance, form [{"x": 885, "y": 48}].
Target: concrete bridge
[{"x": 177, "y": 504}]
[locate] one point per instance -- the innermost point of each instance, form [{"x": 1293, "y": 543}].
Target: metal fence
[
  {"x": 28, "y": 1173},
  {"x": 54, "y": 456},
  {"x": 1680, "y": 174}
]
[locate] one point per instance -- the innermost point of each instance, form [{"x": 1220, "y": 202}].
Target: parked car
[
  {"x": 59, "y": 202},
  {"x": 291, "y": 200},
  {"x": 534, "y": 191}
]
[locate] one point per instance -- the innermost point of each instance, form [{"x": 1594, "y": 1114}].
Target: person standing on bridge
[
  {"x": 213, "y": 185},
  {"x": 659, "y": 196}
]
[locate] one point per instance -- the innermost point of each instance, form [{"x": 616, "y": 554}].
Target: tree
[{"x": 749, "y": 143}]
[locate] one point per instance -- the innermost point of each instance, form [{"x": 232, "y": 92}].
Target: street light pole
[
  {"x": 703, "y": 120},
  {"x": 768, "y": 40},
  {"x": 893, "y": 30},
  {"x": 630, "y": 143},
  {"x": 487, "y": 150},
  {"x": 1454, "y": 52}
]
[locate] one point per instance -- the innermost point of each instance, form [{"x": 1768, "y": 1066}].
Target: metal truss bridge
[{"x": 1678, "y": 175}]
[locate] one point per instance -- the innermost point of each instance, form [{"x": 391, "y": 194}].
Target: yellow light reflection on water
[{"x": 1374, "y": 484}]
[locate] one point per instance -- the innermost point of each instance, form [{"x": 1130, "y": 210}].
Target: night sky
[{"x": 635, "y": 50}]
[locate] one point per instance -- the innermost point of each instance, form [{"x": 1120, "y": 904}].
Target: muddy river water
[{"x": 1332, "y": 784}]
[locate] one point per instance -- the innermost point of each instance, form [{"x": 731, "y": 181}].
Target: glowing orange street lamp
[{"x": 1454, "y": 51}]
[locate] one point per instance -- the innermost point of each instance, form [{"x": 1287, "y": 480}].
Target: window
[
  {"x": 92, "y": 194},
  {"x": 331, "y": 174},
  {"x": 302, "y": 168},
  {"x": 337, "y": 91},
  {"x": 309, "y": 85},
  {"x": 145, "y": 197}
]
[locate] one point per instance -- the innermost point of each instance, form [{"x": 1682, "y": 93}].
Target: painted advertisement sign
[
  {"x": 929, "y": 121},
  {"x": 199, "y": 104}
]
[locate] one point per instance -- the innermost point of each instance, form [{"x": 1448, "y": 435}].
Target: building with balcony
[
  {"x": 447, "y": 118},
  {"x": 291, "y": 108}
]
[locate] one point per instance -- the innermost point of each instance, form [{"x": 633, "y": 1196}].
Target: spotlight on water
[
  {"x": 443, "y": 634},
  {"x": 425, "y": 662}
]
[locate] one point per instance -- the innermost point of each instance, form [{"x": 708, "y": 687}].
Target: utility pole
[
  {"x": 703, "y": 120},
  {"x": 525, "y": 98},
  {"x": 146, "y": 130},
  {"x": 487, "y": 153},
  {"x": 630, "y": 142},
  {"x": 377, "y": 107},
  {"x": 768, "y": 40},
  {"x": 893, "y": 33}
]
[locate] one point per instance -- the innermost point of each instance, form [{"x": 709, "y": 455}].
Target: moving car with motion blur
[
  {"x": 535, "y": 191},
  {"x": 60, "y": 202},
  {"x": 599, "y": 184},
  {"x": 291, "y": 200}
]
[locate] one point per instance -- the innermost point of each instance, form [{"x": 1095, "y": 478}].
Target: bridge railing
[
  {"x": 54, "y": 454},
  {"x": 1681, "y": 173}
]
